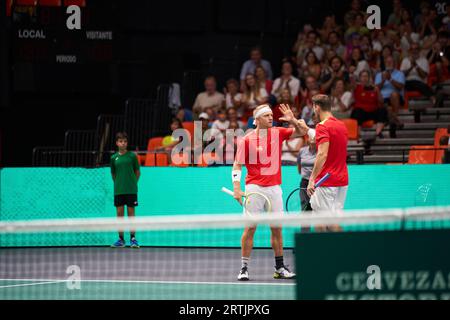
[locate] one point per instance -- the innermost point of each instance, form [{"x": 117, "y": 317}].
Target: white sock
[{"x": 245, "y": 262}]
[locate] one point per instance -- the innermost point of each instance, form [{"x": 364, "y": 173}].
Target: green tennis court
[{"x": 105, "y": 273}]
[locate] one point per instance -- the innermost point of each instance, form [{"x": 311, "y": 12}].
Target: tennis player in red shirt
[
  {"x": 263, "y": 165},
  {"x": 331, "y": 140}
]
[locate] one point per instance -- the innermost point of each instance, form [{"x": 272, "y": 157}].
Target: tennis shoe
[
  {"x": 134, "y": 244},
  {"x": 243, "y": 274},
  {"x": 118, "y": 244},
  {"x": 283, "y": 273}
]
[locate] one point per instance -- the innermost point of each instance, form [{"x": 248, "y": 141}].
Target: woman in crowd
[
  {"x": 253, "y": 95},
  {"x": 369, "y": 104},
  {"x": 341, "y": 100}
]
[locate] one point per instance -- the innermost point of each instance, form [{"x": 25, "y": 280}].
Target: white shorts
[
  {"x": 274, "y": 193},
  {"x": 331, "y": 199}
]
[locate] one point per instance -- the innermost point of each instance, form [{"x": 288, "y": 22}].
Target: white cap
[{"x": 203, "y": 115}]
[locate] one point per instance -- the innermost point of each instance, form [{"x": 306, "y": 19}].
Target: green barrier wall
[{"x": 43, "y": 193}]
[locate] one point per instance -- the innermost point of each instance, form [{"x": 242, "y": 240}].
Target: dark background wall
[{"x": 154, "y": 42}]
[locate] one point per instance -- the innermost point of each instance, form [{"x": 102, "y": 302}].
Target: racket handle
[
  {"x": 322, "y": 180},
  {"x": 228, "y": 191}
]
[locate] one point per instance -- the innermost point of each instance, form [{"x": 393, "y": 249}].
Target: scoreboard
[{"x": 40, "y": 35}]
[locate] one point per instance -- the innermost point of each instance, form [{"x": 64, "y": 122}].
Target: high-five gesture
[{"x": 288, "y": 115}]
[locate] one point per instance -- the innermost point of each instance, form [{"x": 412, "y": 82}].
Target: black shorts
[
  {"x": 129, "y": 200},
  {"x": 387, "y": 101},
  {"x": 378, "y": 116}
]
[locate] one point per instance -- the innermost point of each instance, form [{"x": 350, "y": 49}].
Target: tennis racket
[
  {"x": 254, "y": 202},
  {"x": 293, "y": 203}
]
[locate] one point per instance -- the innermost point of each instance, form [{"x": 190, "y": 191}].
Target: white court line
[
  {"x": 153, "y": 282},
  {"x": 28, "y": 284}
]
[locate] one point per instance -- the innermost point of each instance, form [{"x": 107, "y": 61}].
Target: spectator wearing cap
[
  {"x": 209, "y": 98},
  {"x": 416, "y": 69},
  {"x": 256, "y": 60}
]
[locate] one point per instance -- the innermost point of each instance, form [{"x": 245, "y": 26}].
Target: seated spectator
[
  {"x": 232, "y": 116},
  {"x": 308, "y": 111},
  {"x": 249, "y": 66},
  {"x": 233, "y": 98},
  {"x": 253, "y": 95},
  {"x": 416, "y": 69},
  {"x": 286, "y": 81},
  {"x": 334, "y": 43},
  {"x": 285, "y": 97},
  {"x": 168, "y": 141},
  {"x": 302, "y": 38},
  {"x": 355, "y": 8},
  {"x": 358, "y": 25},
  {"x": 341, "y": 100},
  {"x": 204, "y": 135},
  {"x": 420, "y": 18},
  {"x": 353, "y": 42},
  {"x": 391, "y": 83},
  {"x": 369, "y": 104},
  {"x": 430, "y": 25},
  {"x": 311, "y": 44},
  {"x": 408, "y": 37},
  {"x": 387, "y": 51},
  {"x": 305, "y": 94},
  {"x": 329, "y": 26},
  {"x": 357, "y": 64},
  {"x": 184, "y": 115},
  {"x": 221, "y": 123},
  {"x": 438, "y": 58},
  {"x": 290, "y": 149},
  {"x": 336, "y": 70},
  {"x": 209, "y": 98},
  {"x": 210, "y": 111},
  {"x": 311, "y": 66},
  {"x": 261, "y": 78},
  {"x": 395, "y": 18}
]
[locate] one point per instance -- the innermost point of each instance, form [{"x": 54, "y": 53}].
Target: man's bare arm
[{"x": 321, "y": 158}]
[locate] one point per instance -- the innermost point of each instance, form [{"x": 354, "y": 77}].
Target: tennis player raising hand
[{"x": 260, "y": 152}]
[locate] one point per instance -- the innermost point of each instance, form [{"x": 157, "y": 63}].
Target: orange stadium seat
[
  {"x": 189, "y": 126},
  {"x": 439, "y": 154},
  {"x": 368, "y": 124},
  {"x": 157, "y": 159},
  {"x": 421, "y": 155},
  {"x": 352, "y": 128},
  {"x": 154, "y": 143}
]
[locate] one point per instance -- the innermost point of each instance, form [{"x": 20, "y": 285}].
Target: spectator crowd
[{"x": 367, "y": 73}]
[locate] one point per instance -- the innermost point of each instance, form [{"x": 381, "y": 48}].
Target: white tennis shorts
[
  {"x": 274, "y": 193},
  {"x": 330, "y": 199}
]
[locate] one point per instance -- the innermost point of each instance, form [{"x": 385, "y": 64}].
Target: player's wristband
[
  {"x": 236, "y": 175},
  {"x": 311, "y": 134}
]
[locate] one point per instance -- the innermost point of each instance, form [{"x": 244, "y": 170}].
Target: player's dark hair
[
  {"x": 323, "y": 101},
  {"x": 121, "y": 135}
]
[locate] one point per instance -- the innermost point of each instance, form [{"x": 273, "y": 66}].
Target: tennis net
[{"x": 180, "y": 257}]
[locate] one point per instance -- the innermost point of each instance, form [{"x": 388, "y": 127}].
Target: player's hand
[
  {"x": 288, "y": 115},
  {"x": 238, "y": 194},
  {"x": 310, "y": 189}
]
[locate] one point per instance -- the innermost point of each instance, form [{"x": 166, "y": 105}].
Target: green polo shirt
[{"x": 123, "y": 167}]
